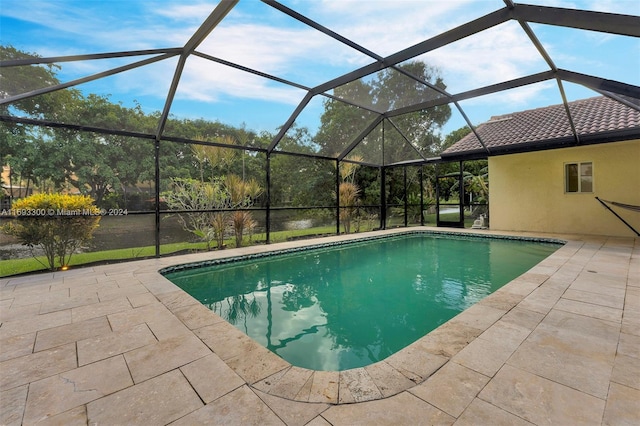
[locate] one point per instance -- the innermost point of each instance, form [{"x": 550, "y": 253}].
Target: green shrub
[{"x": 58, "y": 224}]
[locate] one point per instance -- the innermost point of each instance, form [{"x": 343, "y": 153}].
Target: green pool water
[{"x": 352, "y": 305}]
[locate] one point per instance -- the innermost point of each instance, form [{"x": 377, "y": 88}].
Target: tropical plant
[
  {"x": 192, "y": 194},
  {"x": 214, "y": 156},
  {"x": 219, "y": 222},
  {"x": 57, "y": 223},
  {"x": 479, "y": 185},
  {"x": 242, "y": 194},
  {"x": 476, "y": 183},
  {"x": 349, "y": 193}
]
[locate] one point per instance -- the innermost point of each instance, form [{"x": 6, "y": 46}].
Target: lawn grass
[{"x": 29, "y": 265}]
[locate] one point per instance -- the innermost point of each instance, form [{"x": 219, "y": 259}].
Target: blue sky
[{"x": 255, "y": 35}]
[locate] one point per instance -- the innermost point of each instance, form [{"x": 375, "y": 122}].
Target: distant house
[
  {"x": 545, "y": 177},
  {"x": 10, "y": 191}
]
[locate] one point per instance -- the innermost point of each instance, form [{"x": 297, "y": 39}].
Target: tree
[
  {"x": 396, "y": 192},
  {"x": 475, "y": 174},
  {"x": 385, "y": 91},
  {"x": 26, "y": 148},
  {"x": 301, "y": 181},
  {"x": 454, "y": 137},
  {"x": 23, "y": 79},
  {"x": 340, "y": 122},
  {"x": 99, "y": 164},
  {"x": 51, "y": 159}
]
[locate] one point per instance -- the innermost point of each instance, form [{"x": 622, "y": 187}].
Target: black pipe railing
[{"x": 618, "y": 216}]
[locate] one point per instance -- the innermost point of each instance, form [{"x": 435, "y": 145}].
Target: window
[{"x": 578, "y": 177}]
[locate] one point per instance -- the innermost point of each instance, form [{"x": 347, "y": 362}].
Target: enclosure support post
[
  {"x": 157, "y": 195},
  {"x": 337, "y": 197},
  {"x": 461, "y": 197},
  {"x": 268, "y": 202},
  {"x": 421, "y": 176},
  {"x": 383, "y": 198},
  {"x": 437, "y": 194},
  {"x": 406, "y": 201}
]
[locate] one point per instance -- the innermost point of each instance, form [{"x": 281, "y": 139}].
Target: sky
[{"x": 257, "y": 36}]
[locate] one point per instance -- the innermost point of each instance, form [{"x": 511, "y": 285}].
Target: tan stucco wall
[{"x": 526, "y": 191}]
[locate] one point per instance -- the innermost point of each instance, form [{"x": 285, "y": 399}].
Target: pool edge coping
[
  {"x": 399, "y": 372},
  {"x": 357, "y": 239}
]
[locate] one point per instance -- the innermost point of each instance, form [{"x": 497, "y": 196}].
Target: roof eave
[{"x": 541, "y": 145}]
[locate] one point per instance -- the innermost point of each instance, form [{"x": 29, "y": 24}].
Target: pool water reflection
[{"x": 355, "y": 304}]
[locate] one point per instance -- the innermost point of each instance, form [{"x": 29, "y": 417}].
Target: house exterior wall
[{"x": 527, "y": 190}]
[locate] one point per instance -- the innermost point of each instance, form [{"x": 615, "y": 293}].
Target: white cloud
[
  {"x": 205, "y": 81},
  {"x": 625, "y": 7},
  {"x": 290, "y": 50},
  {"x": 181, "y": 12},
  {"x": 262, "y": 47},
  {"x": 301, "y": 55},
  {"x": 107, "y": 26},
  {"x": 386, "y": 27},
  {"x": 495, "y": 55}
]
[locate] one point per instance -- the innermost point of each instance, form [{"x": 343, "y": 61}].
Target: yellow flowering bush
[{"x": 57, "y": 223}]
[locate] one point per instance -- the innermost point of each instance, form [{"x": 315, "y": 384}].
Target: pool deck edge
[{"x": 128, "y": 322}]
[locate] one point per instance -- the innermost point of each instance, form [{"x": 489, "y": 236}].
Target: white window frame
[{"x": 580, "y": 164}]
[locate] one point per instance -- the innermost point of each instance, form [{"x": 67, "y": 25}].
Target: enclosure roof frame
[{"x": 524, "y": 14}]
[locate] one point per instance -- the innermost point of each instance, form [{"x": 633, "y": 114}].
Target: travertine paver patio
[{"x": 119, "y": 344}]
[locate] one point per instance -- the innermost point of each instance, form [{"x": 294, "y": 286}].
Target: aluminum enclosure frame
[{"x": 524, "y": 14}]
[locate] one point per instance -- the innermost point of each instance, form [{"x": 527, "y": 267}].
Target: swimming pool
[{"x": 350, "y": 305}]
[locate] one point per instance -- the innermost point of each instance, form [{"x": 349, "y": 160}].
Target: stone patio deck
[{"x": 119, "y": 344}]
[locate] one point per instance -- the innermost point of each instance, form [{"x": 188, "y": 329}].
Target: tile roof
[{"x": 598, "y": 117}]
